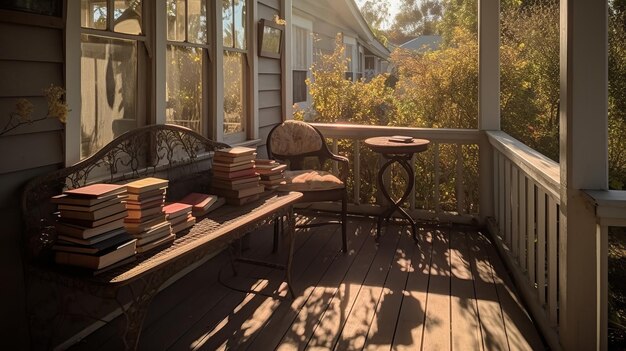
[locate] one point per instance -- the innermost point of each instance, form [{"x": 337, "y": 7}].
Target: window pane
[
  {"x": 227, "y": 22},
  {"x": 93, "y": 14},
  {"x": 240, "y": 24},
  {"x": 108, "y": 90},
  {"x": 176, "y": 20},
  {"x": 184, "y": 87},
  {"x": 197, "y": 22},
  {"x": 233, "y": 92},
  {"x": 348, "y": 55},
  {"x": 300, "y": 36},
  {"x": 299, "y": 86},
  {"x": 127, "y": 17}
]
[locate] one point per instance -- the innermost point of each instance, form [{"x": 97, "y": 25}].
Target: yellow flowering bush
[{"x": 57, "y": 108}]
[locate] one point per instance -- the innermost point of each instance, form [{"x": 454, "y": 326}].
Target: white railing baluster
[
  {"x": 541, "y": 246},
  {"x": 514, "y": 211},
  {"x": 413, "y": 191},
  {"x": 507, "y": 202},
  {"x": 460, "y": 191},
  {"x": 357, "y": 172},
  {"x": 552, "y": 260},
  {"x": 336, "y": 152},
  {"x": 496, "y": 185},
  {"x": 502, "y": 199},
  {"x": 523, "y": 220},
  {"x": 531, "y": 234},
  {"x": 437, "y": 178}
]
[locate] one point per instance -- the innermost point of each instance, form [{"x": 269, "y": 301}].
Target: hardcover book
[
  {"x": 94, "y": 223},
  {"x": 146, "y": 184},
  {"x": 235, "y": 151},
  {"x": 96, "y": 190},
  {"x": 112, "y": 201},
  {"x": 100, "y": 260},
  {"x": 94, "y": 215},
  {"x": 157, "y": 243},
  {"x": 238, "y": 194},
  {"x": 68, "y": 246},
  {"x": 91, "y": 240},
  {"x": 199, "y": 201}
]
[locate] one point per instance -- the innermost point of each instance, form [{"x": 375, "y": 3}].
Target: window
[
  {"x": 349, "y": 56},
  {"x": 112, "y": 47},
  {"x": 235, "y": 67},
  {"x": 187, "y": 58},
  {"x": 300, "y": 62}
]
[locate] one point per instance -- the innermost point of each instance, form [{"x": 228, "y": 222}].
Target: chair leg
[{"x": 344, "y": 221}]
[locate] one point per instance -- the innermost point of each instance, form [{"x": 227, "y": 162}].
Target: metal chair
[{"x": 297, "y": 143}]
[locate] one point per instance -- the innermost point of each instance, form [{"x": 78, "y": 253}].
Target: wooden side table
[{"x": 401, "y": 153}]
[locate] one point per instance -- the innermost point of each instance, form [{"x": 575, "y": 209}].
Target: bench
[{"x": 165, "y": 151}]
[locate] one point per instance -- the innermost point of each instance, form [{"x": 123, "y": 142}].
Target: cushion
[
  {"x": 295, "y": 138},
  {"x": 310, "y": 180}
]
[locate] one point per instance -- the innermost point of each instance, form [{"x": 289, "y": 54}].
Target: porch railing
[
  {"x": 526, "y": 199},
  {"x": 427, "y": 201}
]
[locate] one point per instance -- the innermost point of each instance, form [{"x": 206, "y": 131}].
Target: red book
[
  {"x": 176, "y": 209},
  {"x": 199, "y": 201}
]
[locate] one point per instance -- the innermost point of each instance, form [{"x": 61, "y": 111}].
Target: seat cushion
[{"x": 310, "y": 180}]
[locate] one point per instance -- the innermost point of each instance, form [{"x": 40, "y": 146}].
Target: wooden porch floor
[{"x": 449, "y": 292}]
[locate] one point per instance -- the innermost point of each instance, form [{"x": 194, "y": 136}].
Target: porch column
[
  {"x": 584, "y": 165},
  {"x": 488, "y": 95},
  {"x": 287, "y": 76}
]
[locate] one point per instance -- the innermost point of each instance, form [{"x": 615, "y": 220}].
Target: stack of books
[
  {"x": 90, "y": 228},
  {"x": 271, "y": 173},
  {"x": 179, "y": 216},
  {"x": 234, "y": 175},
  {"x": 201, "y": 204},
  {"x": 146, "y": 220}
]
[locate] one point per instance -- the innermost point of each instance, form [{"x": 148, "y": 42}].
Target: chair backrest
[{"x": 295, "y": 140}]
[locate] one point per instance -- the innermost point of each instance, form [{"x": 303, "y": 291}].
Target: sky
[{"x": 393, "y": 9}]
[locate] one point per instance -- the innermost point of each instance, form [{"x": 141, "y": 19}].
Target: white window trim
[{"x": 307, "y": 25}]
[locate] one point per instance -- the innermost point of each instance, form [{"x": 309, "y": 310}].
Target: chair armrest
[{"x": 344, "y": 163}]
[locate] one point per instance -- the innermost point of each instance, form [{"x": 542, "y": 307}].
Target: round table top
[{"x": 384, "y": 146}]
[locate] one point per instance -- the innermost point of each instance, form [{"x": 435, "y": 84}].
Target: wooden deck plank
[
  {"x": 464, "y": 323},
  {"x": 362, "y": 315},
  {"x": 311, "y": 294},
  {"x": 410, "y": 326},
  {"x": 521, "y": 332},
  {"x": 489, "y": 311},
  {"x": 221, "y": 323},
  {"x": 329, "y": 329},
  {"x": 383, "y": 326},
  {"x": 437, "y": 322},
  {"x": 303, "y": 275}
]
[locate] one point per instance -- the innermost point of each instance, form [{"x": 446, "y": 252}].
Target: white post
[
  {"x": 72, "y": 84},
  {"x": 488, "y": 95},
  {"x": 287, "y": 79},
  {"x": 584, "y": 165}
]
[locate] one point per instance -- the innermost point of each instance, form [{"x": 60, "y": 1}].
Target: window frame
[{"x": 307, "y": 26}]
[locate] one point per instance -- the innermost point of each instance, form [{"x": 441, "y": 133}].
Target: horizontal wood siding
[
  {"x": 270, "y": 78},
  {"x": 47, "y": 49}
]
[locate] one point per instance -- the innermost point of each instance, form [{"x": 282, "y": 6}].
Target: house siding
[
  {"x": 270, "y": 76},
  {"x": 31, "y": 60}
]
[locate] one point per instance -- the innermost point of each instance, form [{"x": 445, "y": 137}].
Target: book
[
  {"x": 137, "y": 228},
  {"x": 229, "y": 186},
  {"x": 127, "y": 260},
  {"x": 84, "y": 232},
  {"x": 64, "y": 199},
  {"x": 154, "y": 235},
  {"x": 237, "y": 174},
  {"x": 112, "y": 201},
  {"x": 151, "y": 230},
  {"x": 238, "y": 194},
  {"x": 217, "y": 204},
  {"x": 69, "y": 246},
  {"x": 157, "y": 216},
  {"x": 238, "y": 159},
  {"x": 265, "y": 162},
  {"x": 148, "y": 203},
  {"x": 271, "y": 170},
  {"x": 92, "y": 240},
  {"x": 199, "y": 201},
  {"x": 146, "y": 184},
  {"x": 242, "y": 201},
  {"x": 152, "y": 194},
  {"x": 188, "y": 223},
  {"x": 273, "y": 182},
  {"x": 157, "y": 243},
  {"x": 236, "y": 151},
  {"x": 96, "y": 191},
  {"x": 234, "y": 181},
  {"x": 234, "y": 168},
  {"x": 180, "y": 219},
  {"x": 94, "y": 223},
  {"x": 236, "y": 164},
  {"x": 401, "y": 139},
  {"x": 176, "y": 209},
  {"x": 94, "y": 215},
  {"x": 272, "y": 176},
  {"x": 101, "y": 259},
  {"x": 144, "y": 213}
]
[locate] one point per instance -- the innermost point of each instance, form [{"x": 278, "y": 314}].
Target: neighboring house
[
  {"x": 126, "y": 64},
  {"x": 314, "y": 30},
  {"x": 423, "y": 43}
]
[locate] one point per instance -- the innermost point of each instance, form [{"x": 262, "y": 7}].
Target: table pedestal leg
[{"x": 402, "y": 160}]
